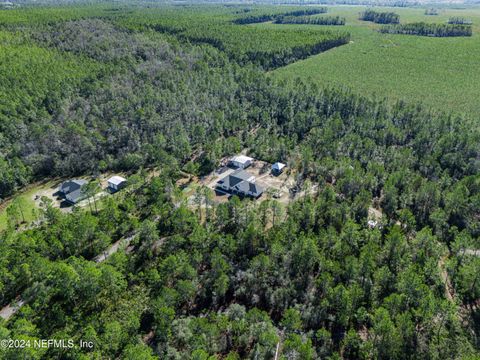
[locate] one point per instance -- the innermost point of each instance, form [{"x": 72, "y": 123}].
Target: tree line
[
  {"x": 426, "y": 29},
  {"x": 324, "y": 20},
  {"x": 252, "y": 19},
  {"x": 270, "y": 60},
  {"x": 380, "y": 17},
  {"x": 459, "y": 21}
]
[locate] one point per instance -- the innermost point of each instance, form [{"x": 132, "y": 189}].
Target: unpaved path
[
  {"x": 124, "y": 242},
  {"x": 11, "y": 309},
  {"x": 449, "y": 291}
]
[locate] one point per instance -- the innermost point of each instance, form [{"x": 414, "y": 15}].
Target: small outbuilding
[
  {"x": 277, "y": 168},
  {"x": 372, "y": 224},
  {"x": 116, "y": 183},
  {"x": 73, "y": 190},
  {"x": 241, "y": 161}
]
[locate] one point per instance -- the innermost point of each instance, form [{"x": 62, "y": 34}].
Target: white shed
[
  {"x": 116, "y": 182},
  {"x": 241, "y": 161}
]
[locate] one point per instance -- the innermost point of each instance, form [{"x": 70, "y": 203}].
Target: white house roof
[
  {"x": 242, "y": 159},
  {"x": 116, "y": 180},
  {"x": 278, "y": 166}
]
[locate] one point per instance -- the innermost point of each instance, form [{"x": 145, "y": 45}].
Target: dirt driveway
[{"x": 278, "y": 186}]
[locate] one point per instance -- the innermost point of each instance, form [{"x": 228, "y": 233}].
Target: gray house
[
  {"x": 240, "y": 183},
  {"x": 72, "y": 190}
]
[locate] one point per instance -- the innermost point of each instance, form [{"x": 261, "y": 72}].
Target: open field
[
  {"x": 439, "y": 72},
  {"x": 26, "y": 202}
]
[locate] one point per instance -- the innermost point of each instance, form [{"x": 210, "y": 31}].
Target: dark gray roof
[
  {"x": 235, "y": 178},
  {"x": 76, "y": 196},
  {"x": 242, "y": 182},
  {"x": 72, "y": 190},
  {"x": 72, "y": 185}
]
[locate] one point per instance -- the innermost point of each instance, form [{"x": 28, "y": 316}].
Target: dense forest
[
  {"x": 426, "y": 29},
  {"x": 323, "y": 20},
  {"x": 380, "y": 17},
  {"x": 93, "y": 50},
  {"x": 96, "y": 89}
]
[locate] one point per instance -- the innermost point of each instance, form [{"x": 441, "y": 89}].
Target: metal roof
[
  {"x": 242, "y": 159},
  {"x": 116, "y": 180}
]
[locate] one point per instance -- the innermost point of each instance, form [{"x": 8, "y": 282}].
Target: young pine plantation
[{"x": 416, "y": 61}]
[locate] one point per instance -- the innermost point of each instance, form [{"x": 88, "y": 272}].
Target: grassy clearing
[
  {"x": 440, "y": 72},
  {"x": 29, "y": 207},
  {"x": 25, "y": 201}
]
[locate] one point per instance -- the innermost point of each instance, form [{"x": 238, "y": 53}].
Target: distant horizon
[{"x": 392, "y": 3}]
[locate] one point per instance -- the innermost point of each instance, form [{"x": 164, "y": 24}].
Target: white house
[
  {"x": 277, "y": 168},
  {"x": 116, "y": 182},
  {"x": 241, "y": 161}
]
